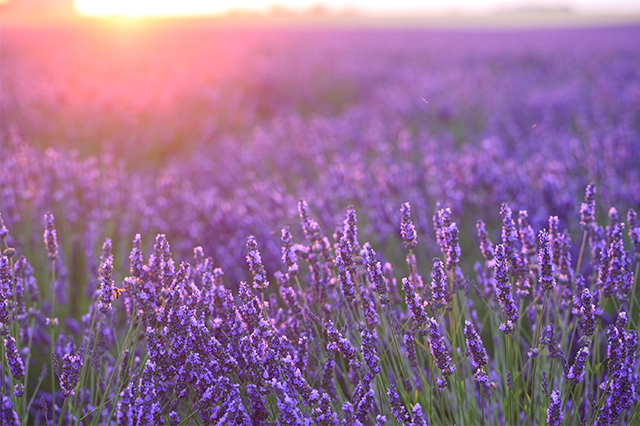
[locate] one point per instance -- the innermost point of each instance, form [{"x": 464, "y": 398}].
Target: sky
[{"x": 140, "y": 8}]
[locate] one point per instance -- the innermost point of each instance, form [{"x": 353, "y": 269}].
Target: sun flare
[{"x": 152, "y": 8}]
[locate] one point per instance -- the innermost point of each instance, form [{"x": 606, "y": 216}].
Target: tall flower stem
[
  {"x": 533, "y": 368},
  {"x": 584, "y": 241},
  {"x": 85, "y": 367},
  {"x": 53, "y": 340}
]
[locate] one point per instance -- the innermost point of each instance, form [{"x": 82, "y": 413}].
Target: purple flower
[
  {"x": 575, "y": 373},
  {"x": 613, "y": 271},
  {"x": 418, "y": 416},
  {"x": 370, "y": 350},
  {"x": 527, "y": 235},
  {"x": 414, "y": 302},
  {"x": 6, "y": 278},
  {"x": 254, "y": 260},
  {"x": 588, "y": 208},
  {"x": 71, "y": 367},
  {"x": 364, "y": 405},
  {"x": 475, "y": 348},
  {"x": 503, "y": 291},
  {"x": 106, "y": 285},
  {"x": 343, "y": 345},
  {"x": 441, "y": 220},
  {"x": 14, "y": 360},
  {"x": 452, "y": 246},
  {"x": 351, "y": 228},
  {"x": 407, "y": 230},
  {"x": 634, "y": 233},
  {"x": 547, "y": 280},
  {"x": 4, "y": 232},
  {"x": 565, "y": 272},
  {"x": 398, "y": 410},
  {"x": 509, "y": 234},
  {"x": 136, "y": 258},
  {"x": 438, "y": 285},
  {"x": 554, "y": 412},
  {"x": 438, "y": 348},
  {"x": 486, "y": 246},
  {"x": 8, "y": 416},
  {"x": 408, "y": 340},
  {"x": 509, "y": 380},
  {"x": 289, "y": 257},
  {"x": 376, "y": 276},
  {"x": 344, "y": 264},
  {"x": 50, "y": 238},
  {"x": 588, "y": 325},
  {"x": 309, "y": 226}
]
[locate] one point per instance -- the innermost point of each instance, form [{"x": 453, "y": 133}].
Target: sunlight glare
[{"x": 157, "y": 8}]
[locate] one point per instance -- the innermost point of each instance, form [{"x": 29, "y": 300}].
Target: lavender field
[{"x": 319, "y": 227}]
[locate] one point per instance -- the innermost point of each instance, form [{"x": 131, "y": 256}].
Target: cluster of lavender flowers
[{"x": 173, "y": 345}]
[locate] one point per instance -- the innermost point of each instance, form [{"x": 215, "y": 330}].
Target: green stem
[
  {"x": 64, "y": 408},
  {"x": 584, "y": 240},
  {"x": 533, "y": 368},
  {"x": 88, "y": 367},
  {"x": 53, "y": 340}
]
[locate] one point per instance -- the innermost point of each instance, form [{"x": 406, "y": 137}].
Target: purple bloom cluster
[
  {"x": 503, "y": 291},
  {"x": 415, "y": 304},
  {"x": 254, "y": 261},
  {"x": 50, "y": 236},
  {"x": 486, "y": 246},
  {"x": 376, "y": 275},
  {"x": 407, "y": 230},
  {"x": 14, "y": 360},
  {"x": 438, "y": 348},
  {"x": 106, "y": 284},
  {"x": 554, "y": 412},
  {"x": 70, "y": 373},
  {"x": 547, "y": 279},
  {"x": 438, "y": 285},
  {"x": 621, "y": 386},
  {"x": 588, "y": 207}
]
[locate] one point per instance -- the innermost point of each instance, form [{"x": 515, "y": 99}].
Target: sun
[{"x": 151, "y": 8}]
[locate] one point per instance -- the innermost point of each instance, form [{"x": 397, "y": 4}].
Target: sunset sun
[{"x": 153, "y": 8}]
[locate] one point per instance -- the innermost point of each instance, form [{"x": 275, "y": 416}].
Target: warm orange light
[{"x": 157, "y": 8}]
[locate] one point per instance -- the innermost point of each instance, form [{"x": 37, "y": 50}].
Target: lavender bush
[{"x": 161, "y": 293}]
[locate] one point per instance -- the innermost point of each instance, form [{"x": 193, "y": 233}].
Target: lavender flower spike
[
  {"x": 547, "y": 280},
  {"x": 8, "y": 416},
  {"x": 3, "y": 229},
  {"x": 554, "y": 412},
  {"x": 475, "y": 348},
  {"x": 106, "y": 285},
  {"x": 439, "y": 349},
  {"x": 254, "y": 260},
  {"x": 588, "y": 325},
  {"x": 407, "y": 230},
  {"x": 588, "y": 208},
  {"x": 503, "y": 291},
  {"x": 414, "y": 302},
  {"x": 136, "y": 258},
  {"x": 50, "y": 237},
  {"x": 13, "y": 357},
  {"x": 575, "y": 374},
  {"x": 438, "y": 284},
  {"x": 72, "y": 365},
  {"x": 486, "y": 247}
]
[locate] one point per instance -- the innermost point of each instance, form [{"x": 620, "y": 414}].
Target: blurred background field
[{"x": 210, "y": 133}]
